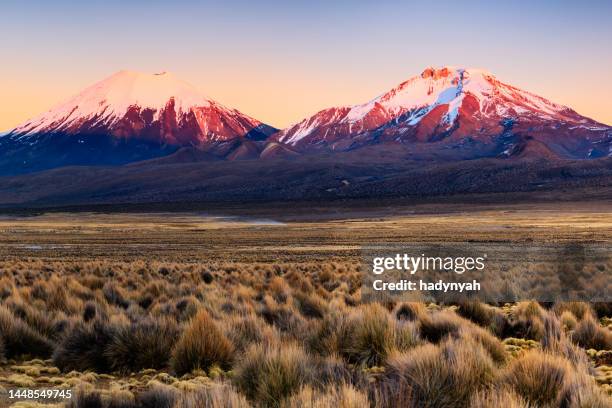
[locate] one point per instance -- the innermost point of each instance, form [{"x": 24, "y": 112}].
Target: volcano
[
  {"x": 127, "y": 117},
  {"x": 455, "y": 113}
]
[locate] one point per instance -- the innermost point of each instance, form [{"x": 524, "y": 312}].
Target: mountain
[
  {"x": 455, "y": 114},
  {"x": 127, "y": 117}
]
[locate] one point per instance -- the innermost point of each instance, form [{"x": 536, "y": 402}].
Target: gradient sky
[{"x": 280, "y": 61}]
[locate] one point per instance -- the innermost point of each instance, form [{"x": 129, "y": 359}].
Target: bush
[
  {"x": 83, "y": 347},
  {"x": 201, "y": 345},
  {"x": 538, "y": 377},
  {"x": 269, "y": 374},
  {"x": 19, "y": 339},
  {"x": 144, "y": 344},
  {"x": 444, "y": 375}
]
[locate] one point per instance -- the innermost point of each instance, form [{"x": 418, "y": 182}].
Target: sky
[{"x": 281, "y": 61}]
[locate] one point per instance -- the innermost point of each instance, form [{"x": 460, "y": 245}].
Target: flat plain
[{"x": 262, "y": 308}]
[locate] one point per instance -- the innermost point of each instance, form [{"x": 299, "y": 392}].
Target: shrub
[
  {"x": 83, "y": 347},
  {"x": 201, "y": 345},
  {"x": 19, "y": 339},
  {"x": 538, "y": 377},
  {"x": 444, "y": 375},
  {"x": 268, "y": 374},
  {"x": 207, "y": 277},
  {"x": 144, "y": 344},
  {"x": 588, "y": 334}
]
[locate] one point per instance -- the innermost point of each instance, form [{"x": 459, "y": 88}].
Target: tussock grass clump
[
  {"x": 19, "y": 339},
  {"x": 246, "y": 330},
  {"x": 2, "y": 352},
  {"x": 410, "y": 311},
  {"x": 580, "y": 310},
  {"x": 343, "y": 396},
  {"x": 580, "y": 391},
  {"x": 269, "y": 374},
  {"x": 86, "y": 399},
  {"x": 589, "y": 334},
  {"x": 538, "y": 377},
  {"x": 201, "y": 345},
  {"x": 485, "y": 316},
  {"x": 437, "y": 326},
  {"x": 527, "y": 321},
  {"x": 142, "y": 344},
  {"x": 312, "y": 306},
  {"x": 568, "y": 320},
  {"x": 498, "y": 398},
  {"x": 217, "y": 396},
  {"x": 114, "y": 295},
  {"x": 368, "y": 337},
  {"x": 157, "y": 397},
  {"x": 83, "y": 347},
  {"x": 444, "y": 375},
  {"x": 489, "y": 343}
]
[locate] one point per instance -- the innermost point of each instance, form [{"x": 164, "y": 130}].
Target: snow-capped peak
[
  {"x": 109, "y": 100},
  {"x": 449, "y": 85},
  {"x": 413, "y": 99}
]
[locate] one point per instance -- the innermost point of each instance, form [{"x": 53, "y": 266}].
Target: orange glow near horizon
[
  {"x": 280, "y": 100},
  {"x": 280, "y": 62}
]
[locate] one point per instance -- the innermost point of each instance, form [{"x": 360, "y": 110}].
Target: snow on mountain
[
  {"x": 434, "y": 105},
  {"x": 132, "y": 104}
]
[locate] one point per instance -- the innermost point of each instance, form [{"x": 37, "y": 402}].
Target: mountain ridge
[{"x": 442, "y": 114}]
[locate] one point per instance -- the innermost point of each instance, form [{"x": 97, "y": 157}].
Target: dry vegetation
[{"x": 225, "y": 329}]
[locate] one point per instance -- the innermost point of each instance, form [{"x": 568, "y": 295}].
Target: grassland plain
[{"x": 192, "y": 310}]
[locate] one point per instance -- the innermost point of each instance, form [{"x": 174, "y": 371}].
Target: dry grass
[
  {"x": 238, "y": 326},
  {"x": 201, "y": 346}
]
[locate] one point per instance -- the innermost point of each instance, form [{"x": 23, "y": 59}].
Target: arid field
[{"x": 203, "y": 310}]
